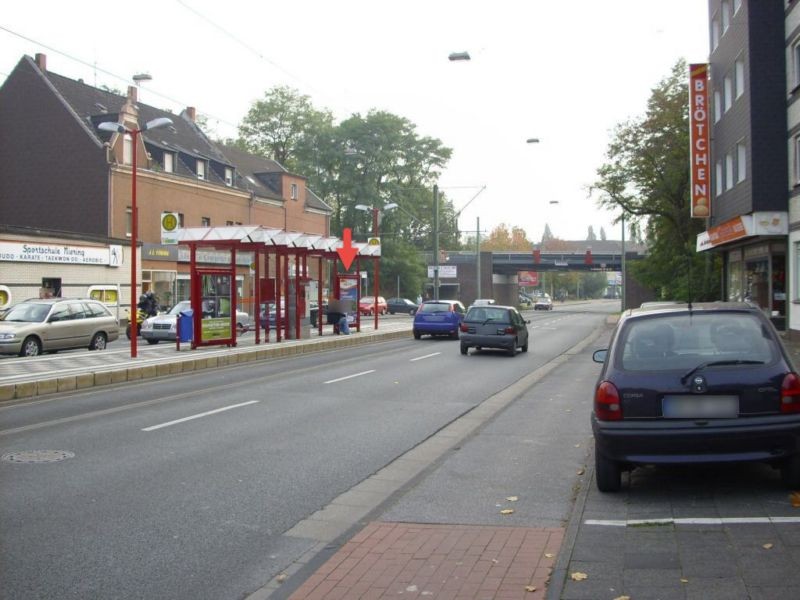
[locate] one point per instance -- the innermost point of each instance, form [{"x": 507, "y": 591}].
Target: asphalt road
[{"x": 183, "y": 488}]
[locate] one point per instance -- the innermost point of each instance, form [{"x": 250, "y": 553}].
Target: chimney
[
  {"x": 191, "y": 112},
  {"x": 132, "y": 96},
  {"x": 41, "y": 61}
]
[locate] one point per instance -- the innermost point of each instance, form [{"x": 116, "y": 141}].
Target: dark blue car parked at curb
[
  {"x": 691, "y": 384},
  {"x": 438, "y": 317}
]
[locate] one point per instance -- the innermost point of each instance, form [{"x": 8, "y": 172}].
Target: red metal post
[
  {"x": 134, "y": 233},
  {"x": 319, "y": 295},
  {"x": 278, "y": 287},
  {"x": 257, "y": 295},
  {"x": 376, "y": 262}
]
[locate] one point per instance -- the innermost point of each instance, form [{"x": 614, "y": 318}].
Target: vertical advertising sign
[{"x": 700, "y": 153}]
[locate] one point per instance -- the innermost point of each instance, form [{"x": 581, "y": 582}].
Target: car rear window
[
  {"x": 487, "y": 313},
  {"x": 685, "y": 340},
  {"x": 431, "y": 307}
]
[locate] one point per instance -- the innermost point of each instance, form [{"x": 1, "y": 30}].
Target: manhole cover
[{"x": 37, "y": 456}]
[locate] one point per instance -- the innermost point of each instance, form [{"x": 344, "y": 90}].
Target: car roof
[{"x": 689, "y": 308}]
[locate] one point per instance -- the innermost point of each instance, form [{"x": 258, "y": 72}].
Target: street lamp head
[
  {"x": 139, "y": 77},
  {"x": 112, "y": 126},
  {"x": 390, "y": 206},
  {"x": 533, "y": 140},
  {"x": 459, "y": 56},
  {"x": 553, "y": 201},
  {"x": 362, "y": 207},
  {"x": 157, "y": 123}
]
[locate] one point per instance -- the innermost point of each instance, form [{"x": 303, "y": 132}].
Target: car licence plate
[{"x": 700, "y": 407}]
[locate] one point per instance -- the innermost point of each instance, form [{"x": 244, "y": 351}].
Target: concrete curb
[{"x": 103, "y": 375}]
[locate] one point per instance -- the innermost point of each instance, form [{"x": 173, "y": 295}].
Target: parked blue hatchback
[{"x": 438, "y": 317}]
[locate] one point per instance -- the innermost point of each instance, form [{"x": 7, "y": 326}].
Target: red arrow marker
[{"x": 347, "y": 253}]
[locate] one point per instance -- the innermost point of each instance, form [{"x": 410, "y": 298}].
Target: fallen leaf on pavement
[
  {"x": 530, "y": 588},
  {"x": 767, "y": 546},
  {"x": 684, "y": 580},
  {"x": 281, "y": 578},
  {"x": 512, "y": 498},
  {"x": 577, "y": 445},
  {"x": 622, "y": 598},
  {"x": 507, "y": 511},
  {"x": 581, "y": 471},
  {"x": 794, "y": 497},
  {"x": 578, "y": 576},
  {"x": 549, "y": 555}
]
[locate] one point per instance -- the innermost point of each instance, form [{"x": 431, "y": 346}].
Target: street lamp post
[
  {"x": 134, "y": 133},
  {"x": 375, "y": 214},
  {"x": 622, "y": 265}
]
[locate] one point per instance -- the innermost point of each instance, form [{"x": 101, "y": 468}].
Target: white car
[{"x": 165, "y": 327}]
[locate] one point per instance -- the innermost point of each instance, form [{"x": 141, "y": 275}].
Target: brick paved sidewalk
[{"x": 442, "y": 562}]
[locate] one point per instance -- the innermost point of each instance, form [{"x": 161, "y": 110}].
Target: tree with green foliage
[{"x": 646, "y": 178}]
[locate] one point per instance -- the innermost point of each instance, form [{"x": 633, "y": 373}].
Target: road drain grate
[{"x": 37, "y": 456}]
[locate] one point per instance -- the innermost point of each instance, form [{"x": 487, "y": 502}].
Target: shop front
[{"x": 754, "y": 251}]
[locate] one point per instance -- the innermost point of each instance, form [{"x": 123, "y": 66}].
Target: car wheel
[
  {"x": 477, "y": 348},
  {"x": 412, "y": 311},
  {"x": 98, "y": 342},
  {"x": 417, "y": 334},
  {"x": 454, "y": 335},
  {"x": 790, "y": 472},
  {"x": 525, "y": 347},
  {"x": 513, "y": 350},
  {"x": 153, "y": 342},
  {"x": 608, "y": 474},
  {"x": 464, "y": 349},
  {"x": 391, "y": 312},
  {"x": 30, "y": 347}
]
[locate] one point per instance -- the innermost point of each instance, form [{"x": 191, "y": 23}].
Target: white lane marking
[
  {"x": 350, "y": 376},
  {"x": 205, "y": 414},
  {"x": 424, "y": 357},
  {"x": 691, "y": 521}
]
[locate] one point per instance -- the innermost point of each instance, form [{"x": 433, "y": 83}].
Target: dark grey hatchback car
[
  {"x": 493, "y": 326},
  {"x": 690, "y": 384}
]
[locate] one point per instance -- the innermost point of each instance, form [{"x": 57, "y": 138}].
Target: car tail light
[
  {"x": 790, "y": 394},
  {"x": 606, "y": 403},
  {"x": 509, "y": 330},
  {"x": 464, "y": 327}
]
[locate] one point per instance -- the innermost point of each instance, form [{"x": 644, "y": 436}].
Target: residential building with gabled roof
[{"x": 62, "y": 179}]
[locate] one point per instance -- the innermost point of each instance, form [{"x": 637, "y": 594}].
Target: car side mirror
[
  {"x": 599, "y": 356},
  {"x": 528, "y": 322}
]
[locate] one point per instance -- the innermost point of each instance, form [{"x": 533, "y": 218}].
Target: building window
[
  {"x": 127, "y": 149},
  {"x": 796, "y": 271},
  {"x": 739, "y": 77},
  {"x": 728, "y": 92},
  {"x": 180, "y": 219},
  {"x": 228, "y": 176},
  {"x": 728, "y": 171},
  {"x": 294, "y": 191},
  {"x": 741, "y": 162},
  {"x": 796, "y": 63},
  {"x": 717, "y": 106},
  {"x": 726, "y": 16},
  {"x": 714, "y": 34},
  {"x": 201, "y": 169},
  {"x": 129, "y": 221},
  {"x": 205, "y": 221},
  {"x": 718, "y": 177},
  {"x": 169, "y": 162},
  {"x": 229, "y": 223},
  {"x": 797, "y": 160}
]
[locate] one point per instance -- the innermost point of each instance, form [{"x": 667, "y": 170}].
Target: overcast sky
[{"x": 565, "y": 72}]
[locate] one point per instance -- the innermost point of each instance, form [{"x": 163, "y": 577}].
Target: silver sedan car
[{"x": 51, "y": 324}]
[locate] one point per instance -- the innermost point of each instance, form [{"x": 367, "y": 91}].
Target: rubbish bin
[{"x": 186, "y": 325}]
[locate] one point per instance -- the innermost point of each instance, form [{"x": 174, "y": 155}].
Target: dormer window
[
  {"x": 201, "y": 169},
  {"x": 293, "y": 191},
  {"x": 169, "y": 162},
  {"x": 228, "y": 176}
]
